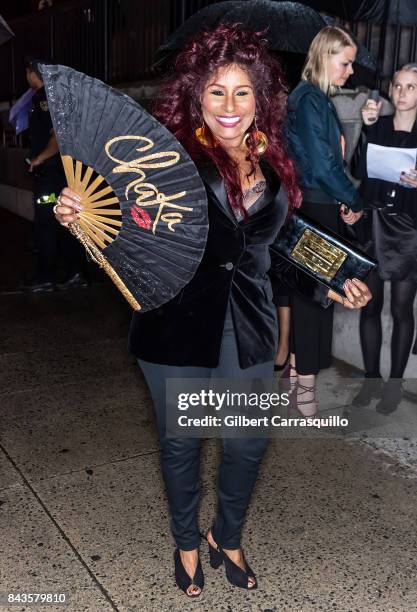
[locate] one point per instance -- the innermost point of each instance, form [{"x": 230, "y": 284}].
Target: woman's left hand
[{"x": 357, "y": 294}]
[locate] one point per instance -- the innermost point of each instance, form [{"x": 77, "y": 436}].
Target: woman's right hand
[
  {"x": 68, "y": 207},
  {"x": 348, "y": 216},
  {"x": 370, "y": 112}
]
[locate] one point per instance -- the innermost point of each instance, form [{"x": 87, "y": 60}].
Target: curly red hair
[{"x": 179, "y": 109}]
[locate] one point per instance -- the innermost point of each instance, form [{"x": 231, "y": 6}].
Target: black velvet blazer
[{"x": 187, "y": 331}]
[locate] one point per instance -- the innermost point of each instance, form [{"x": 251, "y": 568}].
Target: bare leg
[{"x": 293, "y": 373}]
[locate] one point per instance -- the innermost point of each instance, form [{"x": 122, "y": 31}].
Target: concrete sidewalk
[{"x": 332, "y": 525}]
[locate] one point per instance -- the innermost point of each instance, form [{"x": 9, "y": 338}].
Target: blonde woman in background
[
  {"x": 317, "y": 145},
  {"x": 390, "y": 233}
]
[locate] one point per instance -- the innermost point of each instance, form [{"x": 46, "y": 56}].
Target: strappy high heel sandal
[
  {"x": 183, "y": 580},
  {"x": 234, "y": 574},
  {"x": 297, "y": 402}
]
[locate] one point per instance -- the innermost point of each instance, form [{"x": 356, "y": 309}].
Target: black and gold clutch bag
[{"x": 321, "y": 253}]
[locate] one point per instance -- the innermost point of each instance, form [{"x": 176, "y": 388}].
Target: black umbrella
[
  {"x": 144, "y": 217},
  {"x": 400, "y": 12},
  {"x": 5, "y": 32},
  {"x": 290, "y": 25}
]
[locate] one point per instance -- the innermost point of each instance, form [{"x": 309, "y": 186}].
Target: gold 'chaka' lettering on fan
[{"x": 147, "y": 193}]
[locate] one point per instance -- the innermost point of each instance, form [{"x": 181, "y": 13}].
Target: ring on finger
[{"x": 55, "y": 208}]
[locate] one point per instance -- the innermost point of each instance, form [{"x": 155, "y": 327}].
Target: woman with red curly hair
[{"x": 225, "y": 102}]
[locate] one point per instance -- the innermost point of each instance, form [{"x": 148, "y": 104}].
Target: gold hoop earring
[
  {"x": 258, "y": 138},
  {"x": 203, "y": 138}
]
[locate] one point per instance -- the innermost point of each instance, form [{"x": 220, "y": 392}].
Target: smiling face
[
  {"x": 228, "y": 105},
  {"x": 403, "y": 90},
  {"x": 340, "y": 66}
]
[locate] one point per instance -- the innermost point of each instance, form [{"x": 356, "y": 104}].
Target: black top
[
  {"x": 188, "y": 330},
  {"x": 40, "y": 126},
  {"x": 376, "y": 192}
]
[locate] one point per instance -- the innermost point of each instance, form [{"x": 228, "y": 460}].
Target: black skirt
[
  {"x": 391, "y": 239},
  {"x": 311, "y": 324}
]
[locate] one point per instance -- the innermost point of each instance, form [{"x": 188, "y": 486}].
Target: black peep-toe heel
[
  {"x": 183, "y": 580},
  {"x": 234, "y": 574},
  {"x": 237, "y": 576}
]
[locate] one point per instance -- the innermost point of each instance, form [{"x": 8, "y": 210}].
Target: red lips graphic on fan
[{"x": 141, "y": 217}]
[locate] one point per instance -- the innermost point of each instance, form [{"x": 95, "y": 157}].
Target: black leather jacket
[
  {"x": 314, "y": 131},
  {"x": 187, "y": 331}
]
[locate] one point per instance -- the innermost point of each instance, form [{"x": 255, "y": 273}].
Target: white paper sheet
[{"x": 387, "y": 163}]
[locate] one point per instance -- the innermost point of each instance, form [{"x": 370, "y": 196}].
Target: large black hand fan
[{"x": 144, "y": 218}]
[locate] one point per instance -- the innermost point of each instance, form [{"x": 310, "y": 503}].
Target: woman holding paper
[{"x": 389, "y": 232}]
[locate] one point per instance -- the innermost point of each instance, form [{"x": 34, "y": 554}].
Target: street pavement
[{"x": 331, "y": 527}]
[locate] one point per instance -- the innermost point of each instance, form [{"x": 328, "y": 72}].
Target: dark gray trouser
[{"x": 180, "y": 456}]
